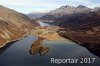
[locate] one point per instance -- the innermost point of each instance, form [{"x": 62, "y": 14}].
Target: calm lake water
[
  {"x": 18, "y": 53},
  {"x": 44, "y": 24}
]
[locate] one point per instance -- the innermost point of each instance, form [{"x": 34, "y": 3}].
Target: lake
[{"x": 18, "y": 53}]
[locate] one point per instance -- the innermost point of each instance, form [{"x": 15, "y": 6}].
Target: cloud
[
  {"x": 88, "y": 3},
  {"x": 47, "y": 3},
  {"x": 27, "y": 5},
  {"x": 21, "y": 5}
]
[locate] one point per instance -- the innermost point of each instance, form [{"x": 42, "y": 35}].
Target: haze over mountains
[
  {"x": 13, "y": 25},
  {"x": 35, "y": 15},
  {"x": 66, "y": 10},
  {"x": 59, "y": 12}
]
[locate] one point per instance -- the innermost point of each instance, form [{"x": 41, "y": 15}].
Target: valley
[{"x": 67, "y": 29}]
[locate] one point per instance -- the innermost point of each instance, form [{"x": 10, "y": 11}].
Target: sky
[{"x": 28, "y": 6}]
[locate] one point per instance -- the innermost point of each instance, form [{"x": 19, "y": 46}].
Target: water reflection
[
  {"x": 38, "y": 48},
  {"x": 18, "y": 53},
  {"x": 6, "y": 46}
]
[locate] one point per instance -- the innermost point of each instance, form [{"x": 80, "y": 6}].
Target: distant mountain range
[
  {"x": 65, "y": 10},
  {"x": 74, "y": 17},
  {"x": 13, "y": 25},
  {"x": 35, "y": 15}
]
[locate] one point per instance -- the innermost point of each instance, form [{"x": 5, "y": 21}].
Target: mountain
[
  {"x": 35, "y": 15},
  {"x": 65, "y": 10},
  {"x": 74, "y": 18},
  {"x": 13, "y": 25},
  {"x": 82, "y": 28},
  {"x": 81, "y": 25},
  {"x": 80, "y": 21}
]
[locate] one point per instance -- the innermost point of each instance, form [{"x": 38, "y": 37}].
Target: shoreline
[
  {"x": 4, "y": 44},
  {"x": 92, "y": 46}
]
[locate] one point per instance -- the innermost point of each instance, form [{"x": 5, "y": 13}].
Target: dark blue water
[{"x": 18, "y": 54}]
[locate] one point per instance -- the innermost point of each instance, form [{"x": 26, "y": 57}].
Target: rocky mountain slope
[
  {"x": 82, "y": 25},
  {"x": 80, "y": 21},
  {"x": 83, "y": 29},
  {"x": 65, "y": 10},
  {"x": 74, "y": 18},
  {"x": 13, "y": 25}
]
